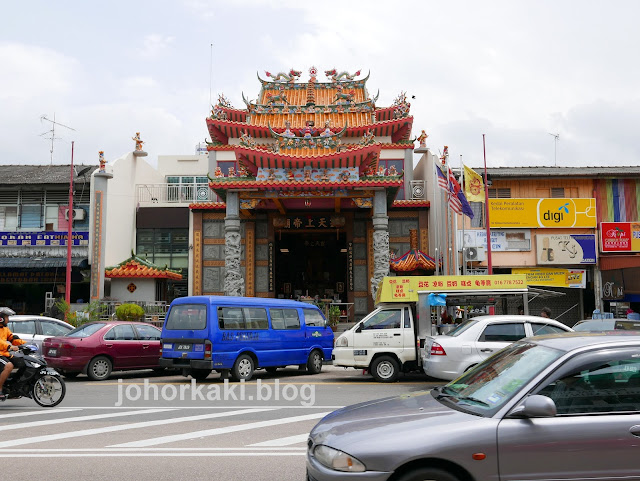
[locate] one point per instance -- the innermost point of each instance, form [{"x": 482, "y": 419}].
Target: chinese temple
[{"x": 314, "y": 192}]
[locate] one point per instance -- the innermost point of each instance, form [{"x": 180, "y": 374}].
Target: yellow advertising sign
[
  {"x": 405, "y": 289},
  {"x": 550, "y": 213},
  {"x": 547, "y": 276}
]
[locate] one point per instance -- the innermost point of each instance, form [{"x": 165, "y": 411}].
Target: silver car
[
  {"x": 555, "y": 407},
  {"x": 34, "y": 329}
]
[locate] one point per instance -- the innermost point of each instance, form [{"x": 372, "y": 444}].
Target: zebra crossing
[{"x": 163, "y": 431}]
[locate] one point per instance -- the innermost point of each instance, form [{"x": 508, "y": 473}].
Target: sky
[{"x": 547, "y": 82}]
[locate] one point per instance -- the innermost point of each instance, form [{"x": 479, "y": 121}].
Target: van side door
[
  {"x": 288, "y": 337},
  {"x": 382, "y": 332}
]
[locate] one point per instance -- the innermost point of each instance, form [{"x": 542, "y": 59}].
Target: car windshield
[
  {"x": 461, "y": 328},
  {"x": 594, "y": 326},
  {"x": 86, "y": 330},
  {"x": 492, "y": 383}
]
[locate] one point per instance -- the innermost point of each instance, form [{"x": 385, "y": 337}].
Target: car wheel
[
  {"x": 314, "y": 363},
  {"x": 384, "y": 369},
  {"x": 243, "y": 368},
  {"x": 70, "y": 375},
  {"x": 99, "y": 368},
  {"x": 199, "y": 374},
  {"x": 428, "y": 474},
  {"x": 271, "y": 370}
]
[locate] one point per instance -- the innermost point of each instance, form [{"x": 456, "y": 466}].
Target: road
[{"x": 146, "y": 426}]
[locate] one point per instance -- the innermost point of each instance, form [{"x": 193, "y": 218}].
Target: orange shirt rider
[{"x": 8, "y": 339}]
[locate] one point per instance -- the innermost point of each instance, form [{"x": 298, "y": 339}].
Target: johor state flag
[{"x": 457, "y": 200}]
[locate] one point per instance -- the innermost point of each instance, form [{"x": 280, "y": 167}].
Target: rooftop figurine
[
  {"x": 290, "y": 77},
  {"x": 101, "y": 160},
  {"x": 138, "y": 141},
  {"x": 422, "y": 138},
  {"x": 327, "y": 130}
]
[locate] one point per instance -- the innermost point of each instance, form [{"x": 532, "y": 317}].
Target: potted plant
[
  {"x": 129, "y": 312},
  {"x": 334, "y": 316}
]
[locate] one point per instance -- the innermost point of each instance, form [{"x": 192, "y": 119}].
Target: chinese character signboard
[
  {"x": 399, "y": 289},
  {"x": 620, "y": 236},
  {"x": 549, "y": 213}
]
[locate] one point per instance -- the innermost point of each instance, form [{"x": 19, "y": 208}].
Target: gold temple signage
[{"x": 309, "y": 222}]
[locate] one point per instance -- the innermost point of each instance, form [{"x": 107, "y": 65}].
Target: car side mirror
[
  {"x": 536, "y": 406},
  {"x": 359, "y": 328}
]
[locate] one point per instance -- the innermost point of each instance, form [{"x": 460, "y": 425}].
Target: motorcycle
[{"x": 35, "y": 380}]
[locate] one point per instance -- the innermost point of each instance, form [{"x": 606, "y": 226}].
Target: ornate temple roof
[
  {"x": 141, "y": 268},
  {"x": 414, "y": 260}
]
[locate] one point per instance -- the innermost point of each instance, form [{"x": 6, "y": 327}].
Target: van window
[
  {"x": 187, "y": 316},
  {"x": 313, "y": 318},
  {"x": 231, "y": 318},
  {"x": 384, "y": 319},
  {"x": 255, "y": 318},
  {"x": 284, "y": 318}
]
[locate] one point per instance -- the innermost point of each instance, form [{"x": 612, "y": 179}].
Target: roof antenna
[
  {"x": 210, "y": 74},
  {"x": 53, "y": 130},
  {"x": 555, "y": 147}
]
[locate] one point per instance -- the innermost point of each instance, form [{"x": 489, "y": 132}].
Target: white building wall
[
  {"x": 170, "y": 165},
  {"x": 145, "y": 289}
]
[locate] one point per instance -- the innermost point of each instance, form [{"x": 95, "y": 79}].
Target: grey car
[{"x": 555, "y": 407}]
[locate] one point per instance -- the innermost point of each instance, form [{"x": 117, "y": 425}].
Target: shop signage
[
  {"x": 548, "y": 276},
  {"x": 566, "y": 249},
  {"x": 394, "y": 289},
  {"x": 350, "y": 265},
  {"x": 270, "y": 263},
  {"x": 548, "y": 213},
  {"x": 620, "y": 236},
  {"x": 43, "y": 238},
  {"x": 501, "y": 240},
  {"x": 300, "y": 222},
  {"x": 612, "y": 285}
]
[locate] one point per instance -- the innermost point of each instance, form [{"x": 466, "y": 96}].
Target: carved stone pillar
[
  {"x": 380, "y": 240},
  {"x": 233, "y": 280}
]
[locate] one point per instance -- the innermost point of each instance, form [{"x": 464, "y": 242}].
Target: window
[
  {"x": 503, "y": 193},
  {"x": 407, "y": 318},
  {"x": 384, "y": 319},
  {"x": 187, "y": 316},
  {"x": 284, "y": 319},
  {"x": 164, "y": 246},
  {"x": 50, "y": 328},
  {"x": 187, "y": 188},
  {"x": 148, "y": 333},
  {"x": 478, "y": 214},
  {"x": 313, "y": 318},
  {"x": 86, "y": 330},
  {"x": 22, "y": 327},
  {"x": 604, "y": 386},
  {"x": 542, "y": 329},
  {"x": 255, "y": 318},
  {"x": 230, "y": 318},
  {"x": 557, "y": 192},
  {"x": 9, "y": 217},
  {"x": 122, "y": 332},
  {"x": 503, "y": 332}
]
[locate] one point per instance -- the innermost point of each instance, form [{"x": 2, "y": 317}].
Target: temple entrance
[{"x": 311, "y": 264}]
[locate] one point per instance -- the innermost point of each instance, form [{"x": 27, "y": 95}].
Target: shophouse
[{"x": 34, "y": 221}]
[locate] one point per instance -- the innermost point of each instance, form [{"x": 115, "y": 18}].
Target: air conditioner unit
[
  {"x": 78, "y": 214},
  {"x": 475, "y": 254}
]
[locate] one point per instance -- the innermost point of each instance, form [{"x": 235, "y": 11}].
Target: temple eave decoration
[{"x": 138, "y": 267}]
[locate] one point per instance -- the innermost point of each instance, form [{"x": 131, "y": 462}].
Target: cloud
[{"x": 155, "y": 45}]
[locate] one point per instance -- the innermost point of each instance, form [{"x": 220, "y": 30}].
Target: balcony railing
[
  {"x": 174, "y": 193},
  {"x": 154, "y": 311}
]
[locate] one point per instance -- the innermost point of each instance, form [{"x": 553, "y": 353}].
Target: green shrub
[{"x": 129, "y": 312}]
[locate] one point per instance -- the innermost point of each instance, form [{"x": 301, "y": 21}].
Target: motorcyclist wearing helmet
[{"x": 8, "y": 342}]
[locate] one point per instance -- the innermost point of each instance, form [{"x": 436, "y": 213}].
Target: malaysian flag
[{"x": 442, "y": 180}]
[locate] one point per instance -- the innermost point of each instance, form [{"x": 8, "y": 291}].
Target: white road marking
[
  {"x": 298, "y": 438},
  {"x": 121, "y": 427},
  {"x": 213, "y": 432},
  {"x": 43, "y": 411},
  {"x": 149, "y": 455},
  {"x": 92, "y": 417}
]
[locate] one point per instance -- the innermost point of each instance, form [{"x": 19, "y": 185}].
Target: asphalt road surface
[{"x": 146, "y": 426}]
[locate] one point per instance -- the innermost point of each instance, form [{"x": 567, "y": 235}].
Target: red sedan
[{"x": 97, "y": 348}]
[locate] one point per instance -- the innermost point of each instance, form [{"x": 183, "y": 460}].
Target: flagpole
[
  {"x": 67, "y": 290},
  {"x": 486, "y": 209},
  {"x": 464, "y": 262},
  {"x": 436, "y": 223},
  {"x": 447, "y": 214}
]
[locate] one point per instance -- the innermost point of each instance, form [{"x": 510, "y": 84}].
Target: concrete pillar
[
  {"x": 234, "y": 284},
  {"x": 97, "y": 234},
  {"x": 380, "y": 240},
  {"x": 597, "y": 288}
]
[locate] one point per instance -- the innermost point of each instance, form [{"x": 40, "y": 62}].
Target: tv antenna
[
  {"x": 555, "y": 147},
  {"x": 53, "y": 131}
]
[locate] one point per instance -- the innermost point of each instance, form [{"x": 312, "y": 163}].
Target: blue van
[{"x": 237, "y": 335}]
